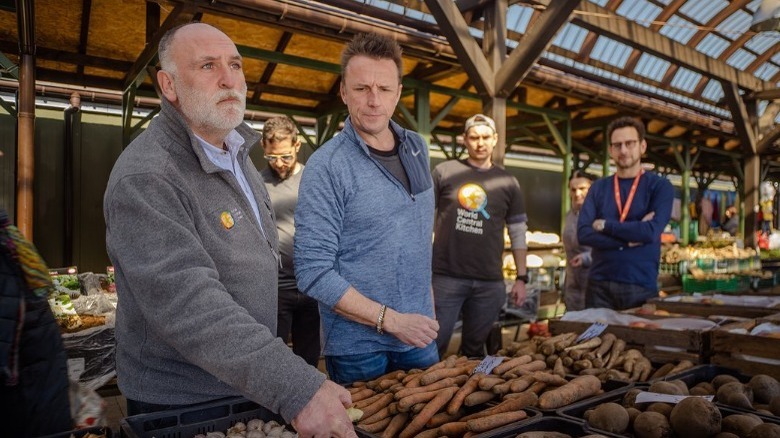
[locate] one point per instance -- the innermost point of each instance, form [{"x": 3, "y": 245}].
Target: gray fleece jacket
[{"x": 196, "y": 277}]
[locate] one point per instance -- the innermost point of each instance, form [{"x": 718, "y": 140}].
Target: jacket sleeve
[
  {"x": 319, "y": 218},
  {"x": 646, "y": 231},
  {"x": 174, "y": 283},
  {"x": 586, "y": 235}
]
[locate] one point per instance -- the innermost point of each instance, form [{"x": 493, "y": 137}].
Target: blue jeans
[
  {"x": 617, "y": 296},
  {"x": 355, "y": 367},
  {"x": 480, "y": 301}
]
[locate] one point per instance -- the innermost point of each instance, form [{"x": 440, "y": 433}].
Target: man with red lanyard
[{"x": 622, "y": 220}]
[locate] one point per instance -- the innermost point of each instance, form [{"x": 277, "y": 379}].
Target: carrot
[
  {"x": 367, "y": 401},
  {"x": 558, "y": 368},
  {"x": 443, "y": 383},
  {"x": 381, "y": 414},
  {"x": 521, "y": 401},
  {"x": 407, "y": 402},
  {"x": 579, "y": 388},
  {"x": 565, "y": 342},
  {"x": 470, "y": 386},
  {"x": 362, "y": 394},
  {"x": 443, "y": 373},
  {"x": 395, "y": 425},
  {"x": 432, "y": 433},
  {"x": 418, "y": 423},
  {"x": 493, "y": 421},
  {"x": 387, "y": 383},
  {"x": 376, "y": 406},
  {"x": 537, "y": 387},
  {"x": 443, "y": 418},
  {"x": 520, "y": 370},
  {"x": 456, "y": 428},
  {"x": 391, "y": 375},
  {"x": 375, "y": 427},
  {"x": 511, "y": 363},
  {"x": 479, "y": 397},
  {"x": 356, "y": 389},
  {"x": 414, "y": 381},
  {"x": 548, "y": 346},
  {"x": 522, "y": 383}
]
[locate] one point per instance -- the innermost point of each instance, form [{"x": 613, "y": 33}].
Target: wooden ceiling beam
[
  {"x": 86, "y": 11},
  {"x": 271, "y": 66},
  {"x": 57, "y": 55},
  {"x": 600, "y": 20},
  {"x": 730, "y": 8},
  {"x": 740, "y": 117}
]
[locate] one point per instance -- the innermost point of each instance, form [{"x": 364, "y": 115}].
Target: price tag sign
[
  {"x": 654, "y": 397},
  {"x": 76, "y": 368},
  {"x": 594, "y": 330},
  {"x": 487, "y": 364}
]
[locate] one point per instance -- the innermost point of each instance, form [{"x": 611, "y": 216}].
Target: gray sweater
[{"x": 196, "y": 278}]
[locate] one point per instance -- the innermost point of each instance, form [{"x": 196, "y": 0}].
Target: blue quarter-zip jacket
[{"x": 357, "y": 225}]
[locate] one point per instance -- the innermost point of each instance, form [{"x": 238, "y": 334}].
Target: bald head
[{"x": 170, "y": 42}]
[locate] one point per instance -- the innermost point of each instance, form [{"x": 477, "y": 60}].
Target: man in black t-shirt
[
  {"x": 475, "y": 200},
  {"x": 298, "y": 314}
]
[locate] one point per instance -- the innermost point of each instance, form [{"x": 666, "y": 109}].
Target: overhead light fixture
[{"x": 767, "y": 17}]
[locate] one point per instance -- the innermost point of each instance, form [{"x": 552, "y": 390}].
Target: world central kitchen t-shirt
[{"x": 473, "y": 206}]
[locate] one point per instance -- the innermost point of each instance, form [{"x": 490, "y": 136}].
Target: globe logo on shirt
[{"x": 472, "y": 197}]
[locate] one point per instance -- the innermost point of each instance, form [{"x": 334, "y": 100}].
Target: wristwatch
[
  {"x": 600, "y": 226},
  {"x": 523, "y": 278}
]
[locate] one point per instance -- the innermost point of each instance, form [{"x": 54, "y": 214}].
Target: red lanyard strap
[{"x": 623, "y": 210}]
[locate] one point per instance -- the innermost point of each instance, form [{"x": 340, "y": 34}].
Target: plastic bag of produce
[{"x": 91, "y": 355}]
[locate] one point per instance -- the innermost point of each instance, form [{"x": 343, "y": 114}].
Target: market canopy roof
[{"x": 685, "y": 67}]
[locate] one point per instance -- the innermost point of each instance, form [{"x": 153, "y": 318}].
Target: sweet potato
[
  {"x": 491, "y": 422},
  {"x": 479, "y": 397},
  {"x": 456, "y": 428},
  {"x": 579, "y": 388},
  {"x": 587, "y": 345}
]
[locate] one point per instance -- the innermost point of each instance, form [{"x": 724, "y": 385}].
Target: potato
[
  {"x": 722, "y": 379},
  {"x": 695, "y": 417},
  {"x": 735, "y": 394},
  {"x": 681, "y": 385},
  {"x": 774, "y": 406},
  {"x": 667, "y": 388},
  {"x": 664, "y": 409},
  {"x": 703, "y": 388},
  {"x": 740, "y": 425},
  {"x": 764, "y": 387},
  {"x": 610, "y": 417},
  {"x": 632, "y": 414},
  {"x": 652, "y": 425},
  {"x": 630, "y": 398},
  {"x": 725, "y": 435},
  {"x": 765, "y": 430}
]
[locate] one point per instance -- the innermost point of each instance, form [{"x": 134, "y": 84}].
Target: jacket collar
[
  {"x": 351, "y": 133},
  {"x": 177, "y": 127}
]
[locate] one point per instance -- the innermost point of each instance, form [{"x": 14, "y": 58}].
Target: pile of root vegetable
[
  {"x": 694, "y": 417},
  {"x": 605, "y": 357},
  {"x": 448, "y": 399},
  {"x": 255, "y": 428}
]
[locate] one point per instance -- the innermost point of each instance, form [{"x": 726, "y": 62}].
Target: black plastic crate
[
  {"x": 216, "y": 416},
  {"x": 705, "y": 373},
  {"x": 608, "y": 387},
  {"x": 503, "y": 431},
  {"x": 543, "y": 424},
  {"x": 576, "y": 411},
  {"x": 80, "y": 433}
]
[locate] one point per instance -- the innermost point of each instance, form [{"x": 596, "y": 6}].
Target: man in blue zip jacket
[
  {"x": 364, "y": 224},
  {"x": 622, "y": 220}
]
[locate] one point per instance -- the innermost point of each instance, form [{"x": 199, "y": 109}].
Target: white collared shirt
[{"x": 228, "y": 160}]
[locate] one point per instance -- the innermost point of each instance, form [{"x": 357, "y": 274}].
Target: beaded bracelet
[{"x": 381, "y": 319}]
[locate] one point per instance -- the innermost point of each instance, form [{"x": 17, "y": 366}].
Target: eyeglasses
[
  {"x": 628, "y": 143},
  {"x": 286, "y": 158}
]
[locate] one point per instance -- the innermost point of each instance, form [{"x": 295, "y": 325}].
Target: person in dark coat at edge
[{"x": 33, "y": 364}]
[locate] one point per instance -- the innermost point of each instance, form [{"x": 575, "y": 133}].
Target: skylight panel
[
  {"x": 518, "y": 17},
  {"x": 713, "y": 91},
  {"x": 611, "y": 52},
  {"x": 702, "y": 10},
  {"x": 601, "y": 3},
  {"x": 712, "y": 45},
  {"x": 651, "y": 67},
  {"x": 766, "y": 71},
  {"x": 678, "y": 29},
  {"x": 762, "y": 104},
  {"x": 735, "y": 24},
  {"x": 740, "y": 59},
  {"x": 761, "y": 42},
  {"x": 753, "y": 6},
  {"x": 640, "y": 11},
  {"x": 685, "y": 79},
  {"x": 570, "y": 37},
  {"x": 776, "y": 58}
]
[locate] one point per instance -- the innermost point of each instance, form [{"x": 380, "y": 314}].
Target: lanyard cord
[{"x": 623, "y": 210}]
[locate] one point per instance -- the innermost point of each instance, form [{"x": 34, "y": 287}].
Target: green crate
[{"x": 736, "y": 283}]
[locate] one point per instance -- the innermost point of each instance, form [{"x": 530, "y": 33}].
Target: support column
[
  {"x": 422, "y": 113},
  {"x": 605, "y": 154},
  {"x": 568, "y": 158},
  {"x": 752, "y": 172},
  {"x": 495, "y": 107},
  {"x": 25, "y": 155}
]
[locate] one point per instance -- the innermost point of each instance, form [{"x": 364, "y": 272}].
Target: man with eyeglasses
[
  {"x": 622, "y": 220},
  {"x": 298, "y": 314}
]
